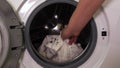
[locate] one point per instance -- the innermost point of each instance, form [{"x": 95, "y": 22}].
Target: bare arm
[{"x": 83, "y": 13}]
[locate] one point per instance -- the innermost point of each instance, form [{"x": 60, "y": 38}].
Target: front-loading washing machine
[{"x": 99, "y": 39}]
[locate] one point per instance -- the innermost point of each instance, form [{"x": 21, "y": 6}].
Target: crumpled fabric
[{"x": 57, "y": 50}]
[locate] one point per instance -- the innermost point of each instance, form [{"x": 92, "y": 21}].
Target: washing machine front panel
[
  {"x": 112, "y": 12},
  {"x": 102, "y": 42},
  {"x": 102, "y": 46},
  {"x": 106, "y": 31},
  {"x": 28, "y": 7}
]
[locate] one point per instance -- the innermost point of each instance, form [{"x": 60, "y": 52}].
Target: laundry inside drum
[
  {"x": 45, "y": 30},
  {"x": 57, "y": 50}
]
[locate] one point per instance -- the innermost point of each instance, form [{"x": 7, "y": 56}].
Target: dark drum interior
[{"x": 47, "y": 17}]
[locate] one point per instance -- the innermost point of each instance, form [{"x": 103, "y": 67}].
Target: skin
[{"x": 83, "y": 13}]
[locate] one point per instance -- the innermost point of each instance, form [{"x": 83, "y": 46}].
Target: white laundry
[{"x": 57, "y": 50}]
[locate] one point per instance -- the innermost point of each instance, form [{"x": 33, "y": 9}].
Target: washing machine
[{"x": 99, "y": 39}]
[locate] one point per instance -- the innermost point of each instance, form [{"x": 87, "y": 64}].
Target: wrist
[{"x": 72, "y": 31}]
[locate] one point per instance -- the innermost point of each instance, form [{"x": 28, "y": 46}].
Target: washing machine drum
[{"x": 43, "y": 22}]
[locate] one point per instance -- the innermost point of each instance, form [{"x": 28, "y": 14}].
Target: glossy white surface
[
  {"x": 112, "y": 10},
  {"x": 102, "y": 42},
  {"x": 27, "y": 62},
  {"x": 27, "y": 9}
]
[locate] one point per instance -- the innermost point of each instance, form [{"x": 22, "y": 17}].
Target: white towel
[{"x": 57, "y": 50}]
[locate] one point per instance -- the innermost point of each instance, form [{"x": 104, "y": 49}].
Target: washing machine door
[
  {"x": 10, "y": 36},
  {"x": 49, "y": 18},
  {"x": 4, "y": 42}
]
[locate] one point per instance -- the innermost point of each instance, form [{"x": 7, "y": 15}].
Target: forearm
[{"x": 83, "y": 13}]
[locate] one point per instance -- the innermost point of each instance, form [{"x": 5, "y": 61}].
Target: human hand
[{"x": 67, "y": 34}]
